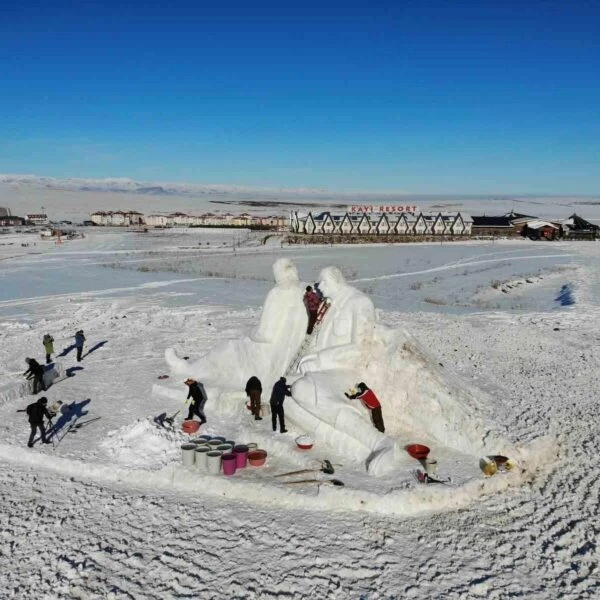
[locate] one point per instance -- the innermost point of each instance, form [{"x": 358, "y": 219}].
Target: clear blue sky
[{"x": 423, "y": 97}]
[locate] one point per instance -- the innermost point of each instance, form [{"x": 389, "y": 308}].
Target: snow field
[{"x": 87, "y": 520}]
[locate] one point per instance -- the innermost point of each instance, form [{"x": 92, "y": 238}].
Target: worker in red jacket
[{"x": 369, "y": 399}]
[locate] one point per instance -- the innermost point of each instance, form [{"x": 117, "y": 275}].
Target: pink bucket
[
  {"x": 241, "y": 456},
  {"x": 229, "y": 464}
]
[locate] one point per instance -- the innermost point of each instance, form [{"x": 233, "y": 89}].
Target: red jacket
[
  {"x": 369, "y": 399},
  {"x": 312, "y": 301}
]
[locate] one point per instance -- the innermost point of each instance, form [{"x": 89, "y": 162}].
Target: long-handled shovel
[
  {"x": 326, "y": 467},
  {"x": 84, "y": 423},
  {"x": 335, "y": 482}
]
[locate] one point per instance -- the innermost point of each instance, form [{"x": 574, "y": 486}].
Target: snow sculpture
[
  {"x": 267, "y": 351},
  {"x": 341, "y": 345}
]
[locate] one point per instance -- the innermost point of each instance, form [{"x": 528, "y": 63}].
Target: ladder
[{"x": 323, "y": 308}]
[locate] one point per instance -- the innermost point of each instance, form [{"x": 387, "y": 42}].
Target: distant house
[
  {"x": 4, "y": 212},
  {"x": 37, "y": 218},
  {"x": 157, "y": 220},
  {"x": 11, "y": 221},
  {"x": 577, "y": 228}
]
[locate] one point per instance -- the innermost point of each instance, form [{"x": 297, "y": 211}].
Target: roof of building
[{"x": 503, "y": 221}]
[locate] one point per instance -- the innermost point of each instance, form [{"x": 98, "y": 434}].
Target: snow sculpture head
[
  {"x": 331, "y": 282},
  {"x": 285, "y": 271}
]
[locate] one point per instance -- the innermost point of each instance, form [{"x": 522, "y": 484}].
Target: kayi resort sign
[{"x": 382, "y": 208}]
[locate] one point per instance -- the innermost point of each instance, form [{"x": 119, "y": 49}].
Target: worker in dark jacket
[
  {"x": 35, "y": 371},
  {"x": 254, "y": 391},
  {"x": 280, "y": 391},
  {"x": 370, "y": 401},
  {"x": 79, "y": 341},
  {"x": 198, "y": 395},
  {"x": 36, "y": 413}
]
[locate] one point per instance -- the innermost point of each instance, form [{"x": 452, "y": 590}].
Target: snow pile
[{"x": 142, "y": 444}]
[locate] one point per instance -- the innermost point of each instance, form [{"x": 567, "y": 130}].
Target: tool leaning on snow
[{"x": 326, "y": 467}]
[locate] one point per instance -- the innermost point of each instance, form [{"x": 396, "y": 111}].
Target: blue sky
[{"x": 420, "y": 97}]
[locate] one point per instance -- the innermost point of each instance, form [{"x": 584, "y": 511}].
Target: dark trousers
[
  {"x": 312, "y": 319},
  {"x": 79, "y": 351},
  {"x": 277, "y": 411},
  {"x": 38, "y": 383},
  {"x": 255, "y": 402},
  {"x": 34, "y": 427},
  {"x": 378, "y": 419},
  {"x": 48, "y": 359},
  {"x": 196, "y": 409}
]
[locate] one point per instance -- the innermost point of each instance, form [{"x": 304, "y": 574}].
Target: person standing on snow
[
  {"x": 79, "y": 341},
  {"x": 36, "y": 413},
  {"x": 35, "y": 371},
  {"x": 312, "y": 302},
  {"x": 253, "y": 391},
  {"x": 370, "y": 401},
  {"x": 198, "y": 395},
  {"x": 48, "y": 342},
  {"x": 280, "y": 390}
]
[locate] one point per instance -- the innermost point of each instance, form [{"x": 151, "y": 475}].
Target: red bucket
[
  {"x": 418, "y": 451},
  {"x": 190, "y": 426}
]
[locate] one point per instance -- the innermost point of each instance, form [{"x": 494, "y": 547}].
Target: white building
[
  {"x": 38, "y": 218},
  {"x": 409, "y": 224}
]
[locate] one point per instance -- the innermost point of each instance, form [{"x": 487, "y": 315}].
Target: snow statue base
[{"x": 419, "y": 403}]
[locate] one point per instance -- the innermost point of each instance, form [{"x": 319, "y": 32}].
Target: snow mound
[{"x": 142, "y": 444}]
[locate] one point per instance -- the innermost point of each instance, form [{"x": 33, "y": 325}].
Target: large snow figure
[
  {"x": 341, "y": 346},
  {"x": 267, "y": 351}
]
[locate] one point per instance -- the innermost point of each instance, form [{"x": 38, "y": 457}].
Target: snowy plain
[{"x": 110, "y": 513}]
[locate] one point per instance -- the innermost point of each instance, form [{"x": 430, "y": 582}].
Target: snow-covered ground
[{"x": 109, "y": 512}]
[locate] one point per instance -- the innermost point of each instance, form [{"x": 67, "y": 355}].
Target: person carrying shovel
[{"x": 197, "y": 393}]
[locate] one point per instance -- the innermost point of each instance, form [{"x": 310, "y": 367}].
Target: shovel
[
  {"x": 326, "y": 467},
  {"x": 84, "y": 423},
  {"x": 335, "y": 482}
]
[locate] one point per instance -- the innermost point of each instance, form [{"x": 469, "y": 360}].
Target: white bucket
[
  {"x": 187, "y": 454},
  {"x": 252, "y": 446},
  {"x": 201, "y": 456},
  {"x": 431, "y": 466},
  {"x": 213, "y": 460},
  {"x": 225, "y": 448},
  {"x": 215, "y": 443}
]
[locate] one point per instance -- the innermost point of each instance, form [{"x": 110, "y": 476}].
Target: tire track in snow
[{"x": 458, "y": 265}]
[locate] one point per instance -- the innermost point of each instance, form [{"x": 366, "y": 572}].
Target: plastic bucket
[
  {"x": 225, "y": 448},
  {"x": 214, "y": 443},
  {"x": 202, "y": 439},
  {"x": 213, "y": 462},
  {"x": 220, "y": 438},
  {"x": 187, "y": 454},
  {"x": 252, "y": 446},
  {"x": 230, "y": 442},
  {"x": 241, "y": 456},
  {"x": 229, "y": 464},
  {"x": 201, "y": 456}
]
